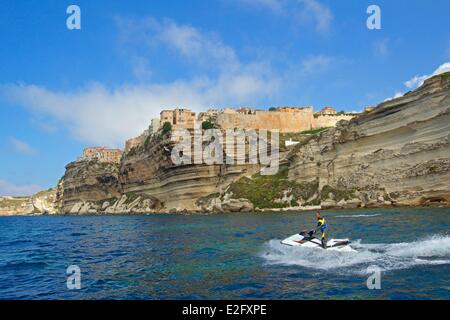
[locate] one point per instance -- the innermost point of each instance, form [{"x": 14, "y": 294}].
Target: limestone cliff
[
  {"x": 399, "y": 153},
  {"x": 43, "y": 202},
  {"x": 145, "y": 181},
  {"x": 149, "y": 170},
  {"x": 87, "y": 181},
  {"x": 396, "y": 154}
]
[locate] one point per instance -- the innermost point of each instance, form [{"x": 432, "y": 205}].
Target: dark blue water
[{"x": 232, "y": 256}]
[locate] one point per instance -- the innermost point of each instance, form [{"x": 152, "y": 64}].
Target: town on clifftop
[{"x": 285, "y": 119}]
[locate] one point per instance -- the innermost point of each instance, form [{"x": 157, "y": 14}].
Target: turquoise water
[{"x": 232, "y": 256}]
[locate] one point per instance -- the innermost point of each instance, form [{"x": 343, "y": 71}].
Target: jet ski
[{"x": 307, "y": 240}]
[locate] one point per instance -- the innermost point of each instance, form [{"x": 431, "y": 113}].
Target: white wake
[
  {"x": 359, "y": 215},
  {"x": 433, "y": 250}
]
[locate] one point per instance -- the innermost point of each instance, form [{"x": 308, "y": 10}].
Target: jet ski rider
[{"x": 322, "y": 225}]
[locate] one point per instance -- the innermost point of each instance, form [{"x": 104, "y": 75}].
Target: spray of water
[
  {"x": 433, "y": 250},
  {"x": 359, "y": 215}
]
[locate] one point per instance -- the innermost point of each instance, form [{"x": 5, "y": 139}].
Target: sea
[{"x": 400, "y": 254}]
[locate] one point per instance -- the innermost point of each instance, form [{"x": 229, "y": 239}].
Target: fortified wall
[
  {"x": 330, "y": 120},
  {"x": 294, "y": 120},
  {"x": 285, "y": 119}
]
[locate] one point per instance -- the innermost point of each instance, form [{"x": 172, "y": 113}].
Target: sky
[{"x": 62, "y": 90}]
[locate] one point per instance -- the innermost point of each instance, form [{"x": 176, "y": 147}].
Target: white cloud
[
  {"x": 417, "y": 81},
  {"x": 443, "y": 68},
  {"x": 21, "y": 146},
  {"x": 316, "y": 64},
  {"x": 381, "y": 48},
  {"x": 10, "y": 189},
  {"x": 140, "y": 67},
  {"x": 44, "y": 124},
  {"x": 397, "y": 94},
  {"x": 97, "y": 115},
  {"x": 319, "y": 13},
  {"x": 194, "y": 44},
  {"x": 274, "y": 5},
  {"x": 310, "y": 11},
  {"x": 200, "y": 48}
]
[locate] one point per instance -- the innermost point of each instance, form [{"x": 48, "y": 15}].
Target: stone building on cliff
[
  {"x": 209, "y": 115},
  {"x": 368, "y": 109},
  {"x": 102, "y": 154},
  {"x": 329, "y": 117},
  {"x": 134, "y": 142},
  {"x": 154, "y": 126},
  {"x": 327, "y": 110},
  {"x": 179, "y": 118},
  {"x": 285, "y": 118}
]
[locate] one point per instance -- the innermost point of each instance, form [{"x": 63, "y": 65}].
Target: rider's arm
[{"x": 317, "y": 228}]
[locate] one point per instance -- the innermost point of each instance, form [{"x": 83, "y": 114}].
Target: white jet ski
[{"x": 307, "y": 240}]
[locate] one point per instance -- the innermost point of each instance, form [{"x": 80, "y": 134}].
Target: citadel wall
[
  {"x": 298, "y": 121},
  {"x": 330, "y": 120}
]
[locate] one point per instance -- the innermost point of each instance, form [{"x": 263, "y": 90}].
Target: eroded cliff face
[
  {"x": 399, "y": 153},
  {"x": 43, "y": 202},
  {"x": 85, "y": 183},
  {"x": 149, "y": 170},
  {"x": 145, "y": 181}
]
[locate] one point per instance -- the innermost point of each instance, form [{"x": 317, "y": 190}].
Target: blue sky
[{"x": 62, "y": 90}]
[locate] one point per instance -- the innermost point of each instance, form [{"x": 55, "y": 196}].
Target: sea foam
[
  {"x": 434, "y": 250},
  {"x": 359, "y": 215}
]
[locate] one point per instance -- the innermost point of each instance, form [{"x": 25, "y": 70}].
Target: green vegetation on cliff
[
  {"x": 273, "y": 191},
  {"x": 314, "y": 131},
  {"x": 167, "y": 127},
  {"x": 133, "y": 151},
  {"x": 206, "y": 199},
  {"x": 339, "y": 194},
  {"x": 445, "y": 75},
  {"x": 208, "y": 124},
  {"x": 132, "y": 196},
  {"x": 277, "y": 191},
  {"x": 302, "y": 137},
  {"x": 14, "y": 202}
]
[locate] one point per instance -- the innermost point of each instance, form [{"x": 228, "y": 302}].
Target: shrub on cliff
[
  {"x": 167, "y": 127},
  {"x": 147, "y": 141},
  {"x": 314, "y": 131},
  {"x": 339, "y": 194},
  {"x": 445, "y": 75},
  {"x": 267, "y": 191},
  {"x": 206, "y": 125},
  {"x": 132, "y": 152}
]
